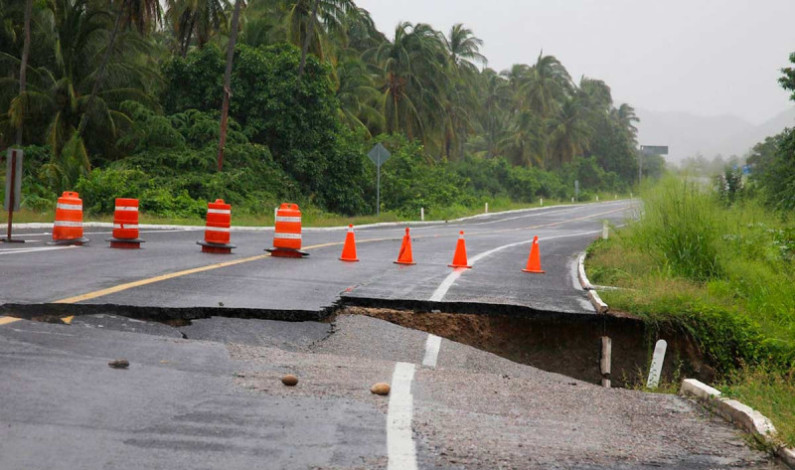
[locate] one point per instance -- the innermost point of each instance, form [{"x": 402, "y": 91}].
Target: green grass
[
  {"x": 772, "y": 393},
  {"x": 723, "y": 274}
]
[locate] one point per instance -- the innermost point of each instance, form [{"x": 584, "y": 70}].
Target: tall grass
[
  {"x": 726, "y": 274},
  {"x": 680, "y": 228}
]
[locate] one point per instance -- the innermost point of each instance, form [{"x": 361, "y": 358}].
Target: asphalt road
[
  {"x": 207, "y": 395},
  {"x": 35, "y": 273}
]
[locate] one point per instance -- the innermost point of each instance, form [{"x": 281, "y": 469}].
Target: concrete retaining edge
[
  {"x": 590, "y": 290},
  {"x": 741, "y": 415}
]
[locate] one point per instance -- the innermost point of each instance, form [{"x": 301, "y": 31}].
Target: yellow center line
[
  {"x": 7, "y": 320},
  {"x": 200, "y": 269}
]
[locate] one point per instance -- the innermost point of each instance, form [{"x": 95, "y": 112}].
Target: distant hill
[{"x": 688, "y": 134}]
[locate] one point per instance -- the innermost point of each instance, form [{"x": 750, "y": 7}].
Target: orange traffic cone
[
  {"x": 349, "y": 249},
  {"x": 405, "y": 256},
  {"x": 534, "y": 260},
  {"x": 460, "y": 256}
]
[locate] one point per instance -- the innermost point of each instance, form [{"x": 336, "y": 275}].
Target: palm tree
[
  {"x": 547, "y": 86},
  {"x": 524, "y": 141},
  {"x": 230, "y": 55},
  {"x": 493, "y": 115},
  {"x": 413, "y": 79},
  {"x": 569, "y": 133},
  {"x": 358, "y": 96},
  {"x": 311, "y": 21},
  {"x": 464, "y": 49},
  {"x": 195, "y": 19},
  {"x": 57, "y": 99},
  {"x": 23, "y": 68},
  {"x": 134, "y": 12},
  {"x": 626, "y": 118}
]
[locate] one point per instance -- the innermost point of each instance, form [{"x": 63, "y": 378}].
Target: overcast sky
[{"x": 706, "y": 57}]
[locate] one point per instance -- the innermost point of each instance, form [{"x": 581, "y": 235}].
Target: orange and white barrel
[
  {"x": 217, "y": 232},
  {"x": 125, "y": 224},
  {"x": 68, "y": 226},
  {"x": 287, "y": 232}
]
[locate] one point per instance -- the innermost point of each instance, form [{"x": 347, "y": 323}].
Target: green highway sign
[{"x": 654, "y": 149}]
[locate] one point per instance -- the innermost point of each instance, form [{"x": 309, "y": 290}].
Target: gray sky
[{"x": 706, "y": 57}]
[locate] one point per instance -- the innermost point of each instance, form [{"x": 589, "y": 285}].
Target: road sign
[
  {"x": 13, "y": 179},
  {"x": 654, "y": 149},
  {"x": 378, "y": 154}
]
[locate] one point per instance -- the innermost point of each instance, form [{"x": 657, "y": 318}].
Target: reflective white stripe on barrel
[
  {"x": 64, "y": 223},
  {"x": 280, "y": 218},
  {"x": 69, "y": 207},
  {"x": 291, "y": 236},
  {"x": 216, "y": 229},
  {"x": 127, "y": 208},
  {"x": 219, "y": 211},
  {"x": 126, "y": 226}
]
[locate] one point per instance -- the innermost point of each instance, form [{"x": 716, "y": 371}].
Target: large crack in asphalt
[{"x": 560, "y": 342}]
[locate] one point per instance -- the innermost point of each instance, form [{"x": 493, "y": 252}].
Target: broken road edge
[{"x": 741, "y": 415}]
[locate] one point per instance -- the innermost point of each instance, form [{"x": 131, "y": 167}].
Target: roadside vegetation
[
  {"x": 717, "y": 260},
  {"x": 124, "y": 99}
]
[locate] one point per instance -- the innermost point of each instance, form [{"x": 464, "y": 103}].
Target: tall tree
[
  {"x": 136, "y": 12},
  {"x": 195, "y": 20},
  {"x": 312, "y": 21},
  {"x": 569, "y": 133},
  {"x": 547, "y": 86},
  {"x": 230, "y": 55},
  {"x": 626, "y": 118},
  {"x": 461, "y": 101},
  {"x": 23, "y": 68},
  {"x": 411, "y": 70}
]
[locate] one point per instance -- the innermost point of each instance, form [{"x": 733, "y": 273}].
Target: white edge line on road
[
  {"x": 188, "y": 228},
  {"x": 401, "y": 451},
  {"x": 447, "y": 283},
  {"x": 15, "y": 251},
  {"x": 432, "y": 345}
]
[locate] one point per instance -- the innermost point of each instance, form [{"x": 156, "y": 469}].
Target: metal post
[
  {"x": 640, "y": 165},
  {"x": 12, "y": 196},
  {"x": 378, "y": 191}
]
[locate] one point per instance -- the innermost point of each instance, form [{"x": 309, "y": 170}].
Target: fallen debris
[
  {"x": 380, "y": 388},
  {"x": 290, "y": 380},
  {"x": 119, "y": 363}
]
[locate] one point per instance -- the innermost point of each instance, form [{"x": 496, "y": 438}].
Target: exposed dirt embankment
[{"x": 569, "y": 345}]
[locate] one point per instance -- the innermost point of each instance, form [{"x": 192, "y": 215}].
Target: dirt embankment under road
[{"x": 567, "y": 346}]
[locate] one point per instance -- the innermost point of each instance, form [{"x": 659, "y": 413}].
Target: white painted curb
[
  {"x": 593, "y": 296},
  {"x": 741, "y": 415}
]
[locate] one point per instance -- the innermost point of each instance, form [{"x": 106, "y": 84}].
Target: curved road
[{"x": 207, "y": 394}]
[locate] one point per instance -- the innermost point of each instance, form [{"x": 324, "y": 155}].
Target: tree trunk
[
  {"x": 101, "y": 73},
  {"x": 305, "y": 46},
  {"x": 230, "y": 55},
  {"x": 23, "y": 68}
]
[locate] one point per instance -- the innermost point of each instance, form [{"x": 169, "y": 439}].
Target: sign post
[
  {"x": 378, "y": 154},
  {"x": 646, "y": 150},
  {"x": 13, "y": 188}
]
